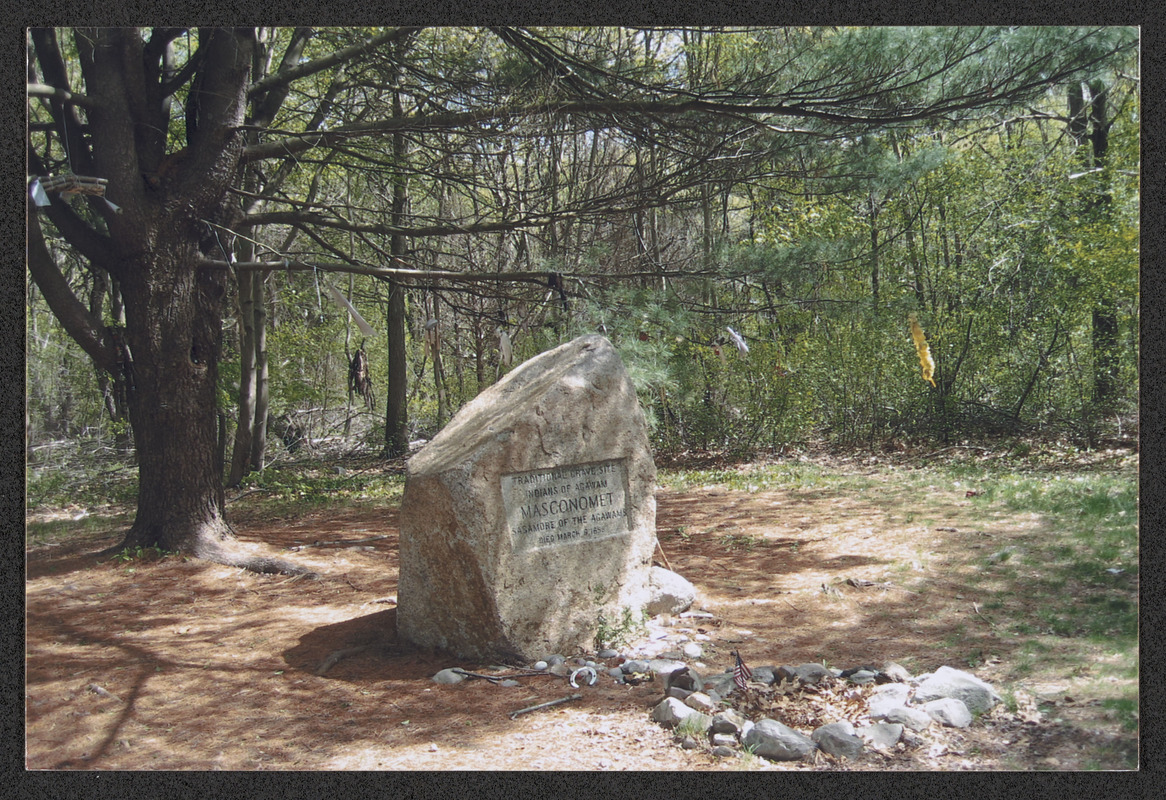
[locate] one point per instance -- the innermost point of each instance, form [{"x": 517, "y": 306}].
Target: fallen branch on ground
[
  {"x": 566, "y": 699},
  {"x": 976, "y": 608},
  {"x": 526, "y": 673},
  {"x": 336, "y": 544},
  {"x": 956, "y": 447},
  {"x": 659, "y": 547}
]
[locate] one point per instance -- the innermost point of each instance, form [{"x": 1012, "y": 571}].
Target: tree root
[
  {"x": 267, "y": 565},
  {"x": 223, "y": 553},
  {"x": 334, "y": 657}
]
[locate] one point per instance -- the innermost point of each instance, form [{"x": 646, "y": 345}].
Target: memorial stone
[{"x": 531, "y": 516}]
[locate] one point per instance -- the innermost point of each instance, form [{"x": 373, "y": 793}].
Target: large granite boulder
[{"x": 531, "y": 516}]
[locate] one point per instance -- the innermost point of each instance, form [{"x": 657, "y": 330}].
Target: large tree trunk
[
  {"x": 175, "y": 335},
  {"x": 175, "y": 341}
]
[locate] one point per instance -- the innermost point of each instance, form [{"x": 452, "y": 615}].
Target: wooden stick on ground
[
  {"x": 661, "y": 549},
  {"x": 566, "y": 699},
  {"x": 336, "y": 544}
]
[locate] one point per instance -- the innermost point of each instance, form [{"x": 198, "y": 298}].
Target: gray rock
[
  {"x": 912, "y": 718},
  {"x": 692, "y": 650},
  {"x": 886, "y": 697},
  {"x": 862, "y": 676},
  {"x": 700, "y": 701},
  {"x": 722, "y": 739},
  {"x": 540, "y": 665},
  {"x": 721, "y": 684},
  {"x": 556, "y": 659},
  {"x": 491, "y": 510},
  {"x": 677, "y": 692},
  {"x": 607, "y": 654},
  {"x": 804, "y": 673},
  {"x": 882, "y": 734},
  {"x": 771, "y": 739},
  {"x": 766, "y": 675},
  {"x": 977, "y": 695},
  {"x": 689, "y": 743},
  {"x": 509, "y": 682},
  {"x": 949, "y": 711},
  {"x": 684, "y": 678},
  {"x": 448, "y": 676},
  {"x": 723, "y": 751},
  {"x": 670, "y": 712},
  {"x": 729, "y": 721},
  {"x": 896, "y": 672},
  {"x": 615, "y": 672},
  {"x": 669, "y": 593},
  {"x": 562, "y": 669},
  {"x": 838, "y": 739},
  {"x": 635, "y": 666}
]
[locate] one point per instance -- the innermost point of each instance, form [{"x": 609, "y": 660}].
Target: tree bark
[
  {"x": 262, "y": 395},
  {"x": 396, "y": 405}
]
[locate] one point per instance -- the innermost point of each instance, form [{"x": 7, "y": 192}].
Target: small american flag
[{"x": 741, "y": 673}]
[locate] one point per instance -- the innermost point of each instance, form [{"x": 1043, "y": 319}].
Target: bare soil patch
[{"x": 179, "y": 664}]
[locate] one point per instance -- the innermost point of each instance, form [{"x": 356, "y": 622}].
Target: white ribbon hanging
[
  {"x": 342, "y": 301},
  {"x": 505, "y": 352}
]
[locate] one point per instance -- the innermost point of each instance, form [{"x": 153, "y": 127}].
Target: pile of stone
[{"x": 879, "y": 708}]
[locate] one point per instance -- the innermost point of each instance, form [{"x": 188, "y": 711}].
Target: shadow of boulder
[{"x": 361, "y": 649}]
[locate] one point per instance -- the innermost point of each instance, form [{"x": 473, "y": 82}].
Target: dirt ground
[{"x": 180, "y": 664}]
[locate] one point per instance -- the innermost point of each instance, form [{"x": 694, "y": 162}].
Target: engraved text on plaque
[{"x": 564, "y": 505}]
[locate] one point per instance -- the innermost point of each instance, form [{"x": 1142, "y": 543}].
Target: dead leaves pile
[{"x": 806, "y": 705}]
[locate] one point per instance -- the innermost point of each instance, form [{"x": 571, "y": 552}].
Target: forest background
[{"x": 768, "y": 223}]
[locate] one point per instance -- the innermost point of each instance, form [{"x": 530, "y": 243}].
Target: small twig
[
  {"x": 294, "y": 578},
  {"x": 976, "y": 608},
  {"x": 661, "y": 549},
  {"x": 246, "y": 494},
  {"x": 955, "y": 447},
  {"x": 791, "y": 605},
  {"x": 93, "y": 687},
  {"x": 566, "y": 699},
  {"x": 331, "y": 660},
  {"x": 336, "y": 544},
  {"x": 495, "y": 678}
]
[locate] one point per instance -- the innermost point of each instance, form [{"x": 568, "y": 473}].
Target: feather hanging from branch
[
  {"x": 342, "y": 301},
  {"x": 923, "y": 350},
  {"x": 738, "y": 340}
]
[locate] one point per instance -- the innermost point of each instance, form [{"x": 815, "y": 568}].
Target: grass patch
[{"x": 290, "y": 491}]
